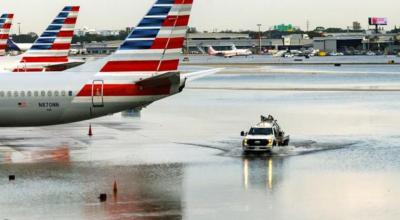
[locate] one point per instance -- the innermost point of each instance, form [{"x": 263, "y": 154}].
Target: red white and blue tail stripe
[
  {"x": 53, "y": 46},
  {"x": 5, "y": 26},
  {"x": 144, "y": 68},
  {"x": 154, "y": 46}
]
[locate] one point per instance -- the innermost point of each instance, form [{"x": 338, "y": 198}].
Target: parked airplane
[
  {"x": 229, "y": 53},
  {"x": 5, "y": 26},
  {"x": 142, "y": 71},
  {"x": 20, "y": 47},
  {"x": 50, "y": 50}
]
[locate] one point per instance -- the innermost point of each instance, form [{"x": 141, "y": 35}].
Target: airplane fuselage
[
  {"x": 9, "y": 63},
  {"x": 40, "y": 99},
  {"x": 232, "y": 53}
]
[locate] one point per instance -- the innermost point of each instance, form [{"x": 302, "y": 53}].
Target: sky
[{"x": 35, "y": 15}]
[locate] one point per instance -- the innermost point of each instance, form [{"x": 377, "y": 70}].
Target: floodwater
[{"x": 181, "y": 159}]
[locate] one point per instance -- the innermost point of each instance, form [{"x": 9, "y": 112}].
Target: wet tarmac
[{"x": 181, "y": 159}]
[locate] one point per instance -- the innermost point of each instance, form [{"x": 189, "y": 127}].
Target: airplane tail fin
[
  {"x": 155, "y": 44},
  {"x": 211, "y": 51},
  {"x": 11, "y": 45},
  {"x": 5, "y": 26},
  {"x": 55, "y": 42}
]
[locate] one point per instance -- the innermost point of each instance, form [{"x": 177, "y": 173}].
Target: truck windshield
[{"x": 260, "y": 131}]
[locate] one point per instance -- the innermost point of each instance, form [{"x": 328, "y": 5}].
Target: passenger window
[
  {"x": 63, "y": 93},
  {"x": 16, "y": 94},
  {"x": 22, "y": 93},
  {"x": 49, "y": 93},
  {"x": 36, "y": 93},
  {"x": 29, "y": 93},
  {"x": 70, "y": 93},
  {"x": 43, "y": 93},
  {"x": 2, "y": 94},
  {"x": 9, "y": 93},
  {"x": 56, "y": 93}
]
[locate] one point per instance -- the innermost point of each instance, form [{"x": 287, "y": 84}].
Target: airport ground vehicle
[{"x": 264, "y": 136}]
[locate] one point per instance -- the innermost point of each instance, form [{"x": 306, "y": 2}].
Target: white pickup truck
[{"x": 264, "y": 136}]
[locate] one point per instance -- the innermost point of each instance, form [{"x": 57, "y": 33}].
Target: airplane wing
[
  {"x": 197, "y": 75},
  {"x": 166, "y": 78},
  {"x": 160, "y": 80},
  {"x": 200, "y": 74},
  {"x": 171, "y": 77}
]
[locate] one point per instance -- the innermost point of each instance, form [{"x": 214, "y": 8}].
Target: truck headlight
[
  {"x": 245, "y": 142},
  {"x": 271, "y": 142}
]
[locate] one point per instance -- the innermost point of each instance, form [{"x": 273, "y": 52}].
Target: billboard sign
[{"x": 377, "y": 21}]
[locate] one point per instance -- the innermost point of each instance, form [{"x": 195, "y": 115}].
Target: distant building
[
  {"x": 101, "y": 48},
  {"x": 350, "y": 43},
  {"x": 107, "y": 33},
  {"x": 199, "y": 42},
  {"x": 356, "y": 26},
  {"x": 84, "y": 31}
]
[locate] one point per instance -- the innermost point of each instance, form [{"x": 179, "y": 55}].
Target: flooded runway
[{"x": 182, "y": 158}]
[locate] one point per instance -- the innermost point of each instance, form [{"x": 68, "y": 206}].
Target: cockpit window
[{"x": 260, "y": 131}]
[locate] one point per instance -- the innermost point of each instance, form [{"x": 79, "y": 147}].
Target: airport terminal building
[
  {"x": 354, "y": 42},
  {"x": 198, "y": 43}
]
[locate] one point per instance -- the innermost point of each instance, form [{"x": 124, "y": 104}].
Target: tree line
[{"x": 272, "y": 34}]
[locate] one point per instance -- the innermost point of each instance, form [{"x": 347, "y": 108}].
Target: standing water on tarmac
[{"x": 182, "y": 158}]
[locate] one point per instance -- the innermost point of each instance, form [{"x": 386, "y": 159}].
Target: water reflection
[
  {"x": 132, "y": 113},
  {"x": 144, "y": 192},
  {"x": 59, "y": 154},
  {"x": 261, "y": 172}
]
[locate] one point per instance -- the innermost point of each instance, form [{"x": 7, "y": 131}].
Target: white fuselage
[
  {"x": 9, "y": 63},
  {"x": 48, "y": 98},
  {"x": 230, "y": 53}
]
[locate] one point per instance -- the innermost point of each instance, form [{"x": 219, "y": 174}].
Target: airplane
[
  {"x": 20, "y": 47},
  {"x": 5, "y": 26},
  {"x": 229, "y": 53},
  {"x": 143, "y": 70},
  {"x": 50, "y": 50}
]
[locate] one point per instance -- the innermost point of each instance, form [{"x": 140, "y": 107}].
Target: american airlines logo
[{"x": 22, "y": 104}]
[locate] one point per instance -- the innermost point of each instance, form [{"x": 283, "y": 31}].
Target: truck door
[{"x": 97, "y": 93}]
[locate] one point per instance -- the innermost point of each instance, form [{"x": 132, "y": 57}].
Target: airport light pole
[
  {"x": 19, "y": 28},
  {"x": 259, "y": 37}
]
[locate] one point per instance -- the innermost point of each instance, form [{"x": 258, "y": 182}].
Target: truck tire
[{"x": 286, "y": 143}]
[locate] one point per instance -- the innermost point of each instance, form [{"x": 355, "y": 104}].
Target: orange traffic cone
[
  {"x": 90, "y": 130},
  {"x": 115, "y": 187}
]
